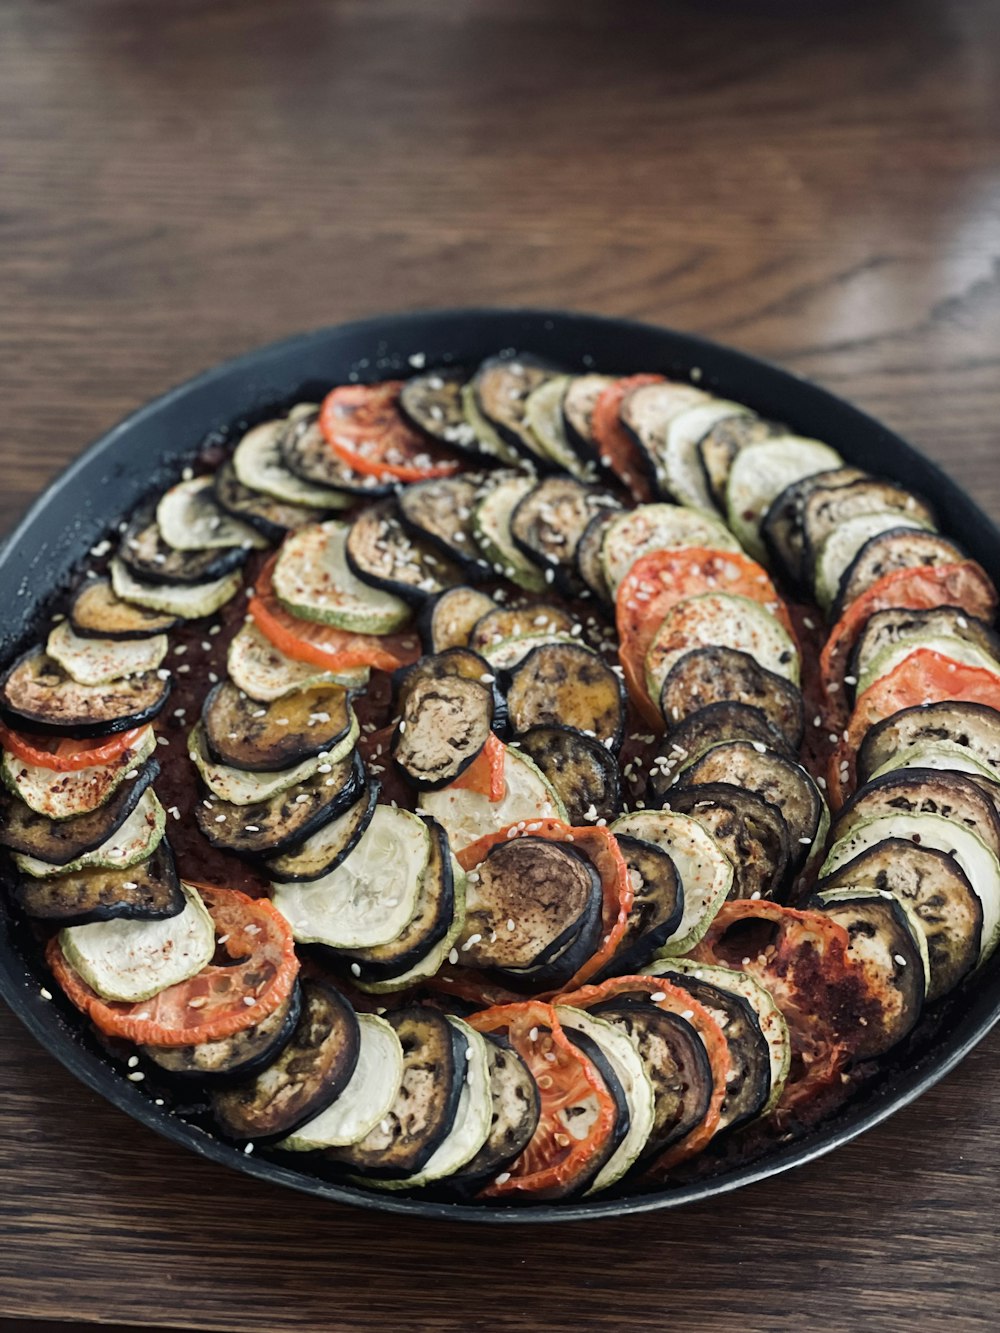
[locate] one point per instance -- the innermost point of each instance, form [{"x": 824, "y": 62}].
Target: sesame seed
[
  {"x": 137, "y": 1077},
  {"x": 249, "y": 1001},
  {"x": 355, "y": 970},
  {"x": 45, "y": 993},
  {"x": 248, "y": 1149},
  {"x": 133, "y": 1060},
  {"x": 658, "y": 995},
  {"x": 898, "y": 958},
  {"x": 453, "y": 957}
]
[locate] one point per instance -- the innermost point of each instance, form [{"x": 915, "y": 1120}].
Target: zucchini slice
[
  {"x": 134, "y": 960},
  {"x": 502, "y": 386},
  {"x": 933, "y": 831},
  {"x": 955, "y": 649},
  {"x": 384, "y": 556},
  {"x": 713, "y": 725},
  {"x": 760, "y": 472},
  {"x": 311, "y": 1071},
  {"x": 647, "y": 412},
  {"x": 543, "y": 417},
  {"x": 467, "y": 816},
  {"x": 371, "y": 896},
  {"x": 675, "y": 1060},
  {"x": 135, "y": 839},
  {"x": 657, "y": 527},
  {"x": 149, "y": 891},
  {"x": 447, "y": 621},
  {"x": 515, "y": 1114},
  {"x": 97, "y": 613},
  {"x": 434, "y": 404},
  {"x": 431, "y": 961},
  {"x": 719, "y": 446},
  {"x": 682, "y": 475},
  {"x": 631, "y": 1072},
  {"x": 425, "y": 1107},
  {"x": 500, "y": 623},
  {"x": 704, "y": 677},
  {"x": 594, "y": 1053},
  {"x": 312, "y": 579},
  {"x": 897, "y": 548},
  {"x": 100, "y": 661},
  {"x": 367, "y": 1098},
  {"x": 568, "y": 684},
  {"x": 442, "y": 728},
  {"x": 259, "y": 465},
  {"x": 549, "y": 521},
  {"x": 270, "y": 827},
  {"x": 325, "y": 849},
  {"x": 236, "y": 1057},
  {"x": 769, "y": 1017},
  {"x": 588, "y": 561},
  {"x": 706, "y": 872},
  {"x": 266, "y": 738},
  {"x": 66, "y": 795},
  {"x": 491, "y": 520},
  {"x": 886, "y": 945},
  {"x": 657, "y": 907},
  {"x": 942, "y": 902},
  {"x": 751, "y": 831},
  {"x": 439, "y": 512},
  {"x": 582, "y": 771},
  {"x": 272, "y": 518},
  {"x": 579, "y": 400},
  {"x": 896, "y": 625},
  {"x": 190, "y": 519},
  {"x": 307, "y": 455},
  {"x": 839, "y": 549},
  {"x": 782, "y": 526},
  {"x": 923, "y": 790},
  {"x": 238, "y": 786},
  {"x": 972, "y": 729},
  {"x": 748, "y": 1089},
  {"x": 720, "y": 620},
  {"x": 825, "y": 509},
  {"x": 37, "y": 692},
  {"x": 488, "y": 440},
  {"x": 60, "y": 842},
  {"x": 266, "y": 674},
  {"x": 151, "y": 559},
  {"x": 182, "y": 601}
]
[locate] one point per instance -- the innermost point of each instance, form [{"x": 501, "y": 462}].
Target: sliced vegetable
[
  {"x": 899, "y": 625},
  {"x": 266, "y": 738},
  {"x": 707, "y": 676},
  {"x": 719, "y": 446},
  {"x": 468, "y": 815},
  {"x": 491, "y": 520},
  {"x": 657, "y": 902},
  {"x": 588, "y": 556},
  {"x": 549, "y": 521},
  {"x": 236, "y": 1057},
  {"x": 388, "y": 559},
  {"x": 713, "y": 725},
  {"x": 759, "y": 473},
  {"x": 133, "y": 841},
  {"x": 443, "y": 725},
  {"x": 447, "y": 621},
  {"x": 964, "y": 727},
  {"x": 543, "y": 418},
  {"x": 433, "y": 403},
  {"x": 190, "y": 519},
  {"x": 266, "y": 674},
  {"x": 751, "y": 831},
  {"x": 502, "y": 387},
  {"x": 38, "y": 694},
  {"x": 313, "y": 581},
  {"x": 147, "y": 892},
  {"x": 782, "y": 529},
  {"x": 180, "y": 600},
  {"x": 365, "y": 429},
  {"x": 567, "y": 683},
  {"x": 330, "y": 845},
  {"x": 658, "y": 527},
  {"x": 440, "y": 513},
  {"x": 827, "y": 508},
  {"x": 616, "y": 445},
  {"x": 579, "y": 400},
  {"x": 647, "y": 413},
  {"x": 150, "y": 559},
  {"x": 271, "y": 517},
  {"x": 918, "y": 790},
  {"x": 306, "y": 452},
  {"x": 98, "y": 613},
  {"x": 516, "y": 1108},
  {"x": 682, "y": 473},
  {"x": 64, "y": 794},
  {"x": 896, "y": 548},
  {"x": 101, "y": 661},
  {"x": 835, "y": 558},
  {"x": 240, "y": 786},
  {"x": 258, "y": 465},
  {"x": 500, "y": 623},
  {"x": 580, "y": 768}
]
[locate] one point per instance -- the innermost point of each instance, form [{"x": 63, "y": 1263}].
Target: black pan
[{"x": 149, "y": 448}]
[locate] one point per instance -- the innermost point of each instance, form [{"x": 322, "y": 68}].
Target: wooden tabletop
[{"x": 815, "y": 183}]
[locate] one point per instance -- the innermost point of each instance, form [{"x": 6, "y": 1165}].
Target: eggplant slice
[
  {"x": 434, "y": 404},
  {"x": 583, "y": 771},
  {"x": 897, "y": 548},
  {"x": 750, "y": 830},
  {"x": 149, "y": 891},
  {"x": 502, "y": 386},
  {"x": 307, "y": 455},
  {"x": 711, "y": 726},
  {"x": 548, "y": 523},
  {"x": 446, "y": 621},
  {"x": 507, "y": 622},
  {"x": 516, "y": 1111},
  {"x": 716, "y": 675},
  {"x": 720, "y": 445},
  {"x": 972, "y": 727},
  {"x": 938, "y": 892},
  {"x": 825, "y": 508},
  {"x": 439, "y": 512},
  {"x": 782, "y": 528},
  {"x": 264, "y": 738},
  {"x": 232, "y": 1058},
  {"x": 285, "y": 821},
  {"x": 658, "y": 904},
  {"x": 382, "y": 554},
  {"x": 37, "y": 693},
  {"x": 442, "y": 728},
  {"x": 60, "y": 841},
  {"x": 565, "y": 684},
  {"x": 325, "y": 849},
  {"x": 309, "y": 1074},
  {"x": 929, "y": 791},
  {"x": 148, "y": 556},
  {"x": 579, "y": 401},
  {"x": 274, "y": 519},
  {"x": 424, "y": 1111},
  {"x": 589, "y": 564},
  {"x": 887, "y": 628},
  {"x": 462, "y": 663},
  {"x": 589, "y": 1048},
  {"x": 97, "y": 613}
]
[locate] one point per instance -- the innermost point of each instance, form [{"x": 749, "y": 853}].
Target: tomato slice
[
  {"x": 923, "y": 677},
  {"x": 323, "y": 645},
  {"x": 363, "y": 426},
  {"x": 801, "y": 959},
  {"x": 965, "y": 585},
  {"x": 577, "y": 1113},
  {"x": 658, "y": 581},
  {"x": 601, "y": 847},
  {"x": 675, "y": 1001},
  {"x": 615, "y": 445},
  {"x": 262, "y": 968},
  {"x": 64, "y": 755},
  {"x": 485, "y": 774}
]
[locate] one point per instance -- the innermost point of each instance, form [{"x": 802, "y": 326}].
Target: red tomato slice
[
  {"x": 679, "y": 1002},
  {"x": 658, "y": 581},
  {"x": 323, "y": 645},
  {"x": 601, "y": 846},
  {"x": 485, "y": 774},
  {"x": 964, "y": 585},
  {"x": 923, "y": 677},
  {"x": 801, "y": 959},
  {"x": 615, "y": 445},
  {"x": 364, "y": 428},
  {"x": 566, "y": 1146},
  {"x": 212, "y": 1004},
  {"x": 64, "y": 755}
]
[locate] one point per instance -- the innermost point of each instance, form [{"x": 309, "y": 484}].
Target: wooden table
[{"x": 818, "y": 184}]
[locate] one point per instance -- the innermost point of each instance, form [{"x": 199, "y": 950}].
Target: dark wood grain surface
[{"x": 816, "y": 183}]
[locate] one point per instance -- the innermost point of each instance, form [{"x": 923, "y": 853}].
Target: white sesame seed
[
  {"x": 45, "y": 993},
  {"x": 355, "y": 970},
  {"x": 248, "y": 1149},
  {"x": 133, "y": 1060},
  {"x": 137, "y": 1077}
]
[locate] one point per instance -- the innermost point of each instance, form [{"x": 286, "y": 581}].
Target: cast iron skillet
[{"x": 147, "y": 450}]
